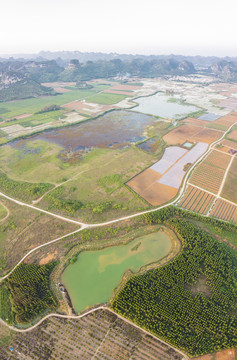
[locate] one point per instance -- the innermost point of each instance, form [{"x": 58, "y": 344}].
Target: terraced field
[
  {"x": 100, "y": 335},
  {"x": 224, "y": 210},
  {"x": 196, "y": 200}
]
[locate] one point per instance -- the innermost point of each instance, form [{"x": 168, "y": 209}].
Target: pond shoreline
[{"x": 174, "y": 251}]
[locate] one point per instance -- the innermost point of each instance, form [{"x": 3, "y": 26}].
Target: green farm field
[
  {"x": 106, "y": 99},
  {"x": 33, "y": 105},
  {"x": 36, "y": 119}
]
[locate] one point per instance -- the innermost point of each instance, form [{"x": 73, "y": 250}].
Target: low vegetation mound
[
  {"x": 49, "y": 108},
  {"x": 30, "y": 291},
  {"x": 163, "y": 301}
]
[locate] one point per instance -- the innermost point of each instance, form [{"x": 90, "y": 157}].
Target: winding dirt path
[
  {"x": 7, "y": 210},
  {"x": 76, "y": 317}
]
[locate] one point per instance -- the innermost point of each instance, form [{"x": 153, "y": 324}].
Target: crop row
[
  {"x": 218, "y": 159},
  {"x": 224, "y": 210},
  {"x": 207, "y": 177},
  {"x": 101, "y": 335},
  {"x": 197, "y": 200}
]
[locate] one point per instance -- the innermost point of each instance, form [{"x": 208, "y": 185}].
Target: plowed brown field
[
  {"x": 181, "y": 134},
  {"x": 146, "y": 185},
  {"x": 228, "y": 354},
  {"x": 206, "y": 135},
  {"x": 231, "y": 144},
  {"x": 143, "y": 180},
  {"x": 233, "y": 135}
]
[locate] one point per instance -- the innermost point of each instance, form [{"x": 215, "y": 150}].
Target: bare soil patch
[
  {"x": 233, "y": 135},
  {"x": 230, "y": 144},
  {"x": 200, "y": 287},
  {"x": 48, "y": 258},
  {"x": 23, "y": 116},
  {"x": 143, "y": 180},
  {"x": 206, "y": 135},
  {"x": 181, "y": 134}
]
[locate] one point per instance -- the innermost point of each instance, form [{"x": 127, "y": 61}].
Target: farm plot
[
  {"x": 207, "y": 177},
  {"x": 206, "y": 135},
  {"x": 100, "y": 335},
  {"x": 171, "y": 155},
  {"x": 86, "y": 108},
  {"x": 196, "y": 122},
  {"x": 181, "y": 134},
  {"x": 224, "y": 210},
  {"x": 160, "y": 183},
  {"x": 220, "y": 160},
  {"x": 196, "y": 200},
  {"x": 209, "y": 117},
  {"x": 230, "y": 144},
  {"x": 233, "y": 135},
  {"x": 229, "y": 191},
  {"x": 174, "y": 176}
]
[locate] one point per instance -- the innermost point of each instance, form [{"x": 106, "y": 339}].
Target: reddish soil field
[
  {"x": 218, "y": 159},
  {"x": 158, "y": 194},
  {"x": 196, "y": 200},
  {"x": 206, "y": 135},
  {"x": 230, "y": 144},
  {"x": 233, "y": 135},
  {"x": 207, "y": 177},
  {"x": 181, "y": 134},
  {"x": 146, "y": 185},
  {"x": 197, "y": 122},
  {"x": 86, "y": 108},
  {"x": 23, "y": 116},
  {"x": 228, "y": 354},
  {"x": 224, "y": 210},
  {"x": 223, "y": 122},
  {"x": 59, "y": 84},
  {"x": 223, "y": 149},
  {"x": 143, "y": 180}
]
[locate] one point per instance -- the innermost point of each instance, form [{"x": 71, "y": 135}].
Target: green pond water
[{"x": 91, "y": 279}]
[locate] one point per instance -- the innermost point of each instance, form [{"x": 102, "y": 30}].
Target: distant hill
[
  {"x": 64, "y": 57},
  {"x": 226, "y": 70},
  {"x": 76, "y": 71},
  {"x": 20, "y": 80}
]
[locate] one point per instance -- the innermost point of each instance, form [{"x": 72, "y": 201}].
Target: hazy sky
[{"x": 205, "y": 27}]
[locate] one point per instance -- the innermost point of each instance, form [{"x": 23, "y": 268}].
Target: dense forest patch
[
  {"x": 30, "y": 291},
  {"x": 163, "y": 301}
]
